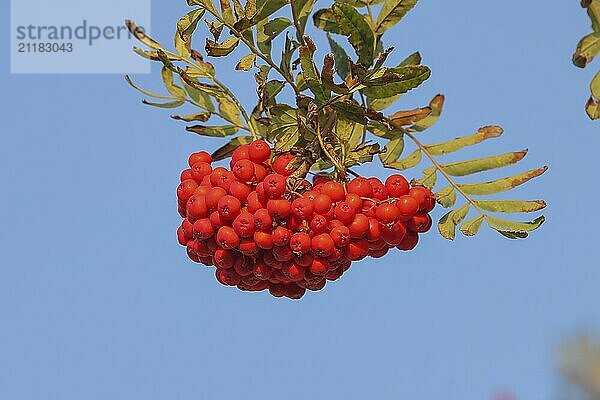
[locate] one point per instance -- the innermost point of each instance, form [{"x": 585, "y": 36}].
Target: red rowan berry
[
  {"x": 334, "y": 223},
  {"x": 200, "y": 170},
  {"x": 300, "y": 243},
  {"x": 243, "y": 266},
  {"x": 393, "y": 234},
  {"x": 188, "y": 229},
  {"x": 319, "y": 267},
  {"x": 203, "y": 229},
  {"x": 262, "y": 219},
  {"x": 302, "y": 209},
  {"x": 410, "y": 241},
  {"x": 196, "y": 207},
  {"x": 387, "y": 213},
  {"x": 224, "y": 258},
  {"x": 318, "y": 224},
  {"x": 254, "y": 202},
  {"x": 213, "y": 195},
  {"x": 228, "y": 277},
  {"x": 225, "y": 180},
  {"x": 344, "y": 212},
  {"x": 271, "y": 261},
  {"x": 185, "y": 190},
  {"x": 243, "y": 170},
  {"x": 335, "y": 274},
  {"x": 293, "y": 291},
  {"x": 259, "y": 151},
  {"x": 340, "y": 236},
  {"x": 380, "y": 192},
  {"x": 262, "y": 270},
  {"x": 336, "y": 254},
  {"x": 361, "y": 187},
  {"x": 425, "y": 198},
  {"x": 355, "y": 201},
  {"x": 240, "y": 153},
  {"x": 359, "y": 226},
  {"x": 274, "y": 186},
  {"x": 379, "y": 253},
  {"x": 260, "y": 172},
  {"x": 263, "y": 239},
  {"x": 377, "y": 244},
  {"x": 244, "y": 225},
  {"x": 216, "y": 174},
  {"x": 181, "y": 237},
  {"x": 282, "y": 253},
  {"x": 248, "y": 247},
  {"x": 281, "y": 164},
  {"x": 281, "y": 236},
  {"x": 207, "y": 261},
  {"x": 216, "y": 220},
  {"x": 420, "y": 223},
  {"x": 397, "y": 185},
  {"x": 322, "y": 245},
  {"x": 201, "y": 156},
  {"x": 227, "y": 238},
  {"x": 334, "y": 190},
  {"x": 202, "y": 190},
  {"x": 357, "y": 250},
  {"x": 303, "y": 260},
  {"x": 374, "y": 232},
  {"x": 408, "y": 206},
  {"x": 321, "y": 203},
  {"x": 240, "y": 190},
  {"x": 279, "y": 209},
  {"x": 320, "y": 178},
  {"x": 212, "y": 244},
  {"x": 185, "y": 174},
  {"x": 229, "y": 207},
  {"x": 293, "y": 272},
  {"x": 316, "y": 286}
]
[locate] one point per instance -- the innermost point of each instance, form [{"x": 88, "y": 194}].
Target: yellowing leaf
[
  {"x": 448, "y": 223},
  {"x": 246, "y": 62},
  {"x": 185, "y": 29},
  {"x": 140, "y": 35},
  {"x": 446, "y": 197},
  {"x": 394, "y": 149},
  {"x": 413, "y": 159},
  {"x": 450, "y": 146},
  {"x": 215, "y": 131},
  {"x": 512, "y": 229},
  {"x": 471, "y": 227},
  {"x": 202, "y": 117},
  {"x": 391, "y": 13},
  {"x": 215, "y": 49},
  {"x": 511, "y": 206},
  {"x": 436, "y": 105},
  {"x": 469, "y": 167},
  {"x": 587, "y": 49},
  {"x": 501, "y": 185},
  {"x": 167, "y": 77}
]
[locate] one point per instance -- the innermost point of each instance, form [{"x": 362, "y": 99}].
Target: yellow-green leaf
[
  {"x": 215, "y": 49},
  {"x": 448, "y": 223},
  {"x": 167, "y": 77},
  {"x": 140, "y": 35},
  {"x": 593, "y": 104},
  {"x": 511, "y": 206},
  {"x": 396, "y": 81},
  {"x": 246, "y": 62},
  {"x": 215, "y": 131},
  {"x": 302, "y": 9},
  {"x": 587, "y": 49},
  {"x": 146, "y": 92},
  {"x": 446, "y": 197},
  {"x": 394, "y": 149},
  {"x": 429, "y": 178},
  {"x": 469, "y": 167},
  {"x": 471, "y": 227},
  {"x": 171, "y": 104},
  {"x": 229, "y": 111},
  {"x": 413, "y": 159},
  {"x": 185, "y": 29},
  {"x": 450, "y": 146},
  {"x": 201, "y": 116},
  {"x": 287, "y": 141},
  {"x": 512, "y": 229},
  {"x": 501, "y": 185},
  {"x": 391, "y": 13}
]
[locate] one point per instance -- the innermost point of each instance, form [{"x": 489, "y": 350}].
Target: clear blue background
[{"x": 97, "y": 301}]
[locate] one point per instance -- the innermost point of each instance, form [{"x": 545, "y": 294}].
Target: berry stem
[{"x": 438, "y": 166}]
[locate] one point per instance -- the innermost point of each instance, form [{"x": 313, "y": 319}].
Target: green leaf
[
  {"x": 429, "y": 178},
  {"x": 593, "y": 10},
  {"x": 177, "y": 91},
  {"x": 302, "y": 9},
  {"x": 140, "y": 35},
  {"x": 394, "y": 149},
  {"x": 359, "y": 32},
  {"x": 227, "y": 12},
  {"x": 146, "y": 92},
  {"x": 246, "y": 62},
  {"x": 436, "y": 105},
  {"x": 471, "y": 227},
  {"x": 396, "y": 81},
  {"x": 362, "y": 154},
  {"x": 287, "y": 141},
  {"x": 413, "y": 159},
  {"x": 326, "y": 20},
  {"x": 227, "y": 150},
  {"x": 593, "y": 104},
  {"x": 283, "y": 121},
  {"x": 391, "y": 13},
  {"x": 451, "y": 146},
  {"x": 511, "y": 206},
  {"x": 413, "y": 59},
  {"x": 171, "y": 104},
  {"x": 501, "y": 185},
  {"x": 214, "y": 131},
  {"x": 185, "y": 29},
  {"x": 199, "y": 97},
  {"x": 215, "y": 49},
  {"x": 446, "y": 197},
  {"x": 274, "y": 27},
  {"x": 342, "y": 61},
  {"x": 587, "y": 49},
  {"x": 264, "y": 9},
  {"x": 448, "y": 223},
  {"x": 229, "y": 111},
  {"x": 512, "y": 229},
  {"x": 309, "y": 72},
  {"x": 469, "y": 167},
  {"x": 201, "y": 116}
]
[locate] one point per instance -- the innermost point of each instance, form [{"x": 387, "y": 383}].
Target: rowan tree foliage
[
  {"x": 588, "y": 48},
  {"x": 342, "y": 113}
]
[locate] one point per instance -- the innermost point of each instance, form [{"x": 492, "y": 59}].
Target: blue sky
[{"x": 98, "y": 301}]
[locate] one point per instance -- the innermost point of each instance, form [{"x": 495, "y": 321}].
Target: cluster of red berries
[{"x": 261, "y": 235}]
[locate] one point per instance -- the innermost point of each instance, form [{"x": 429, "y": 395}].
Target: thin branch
[{"x": 300, "y": 34}]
